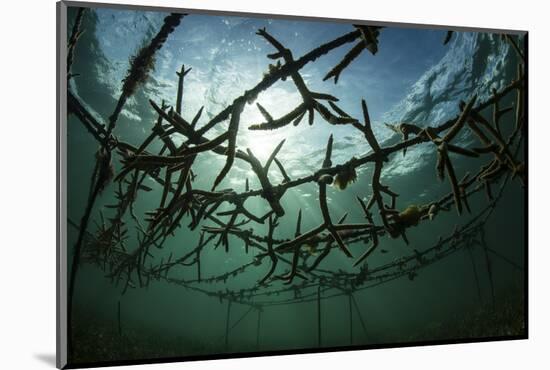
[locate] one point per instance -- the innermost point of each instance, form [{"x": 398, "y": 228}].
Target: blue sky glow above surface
[{"x": 406, "y": 79}]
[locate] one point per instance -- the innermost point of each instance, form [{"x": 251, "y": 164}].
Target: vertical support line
[
  {"x": 350, "y": 318},
  {"x": 227, "y": 324},
  {"x": 119, "y": 321},
  {"x": 471, "y": 255},
  {"x": 489, "y": 267},
  {"x": 258, "y": 328},
  {"x": 319, "y": 315},
  {"x": 360, "y": 317}
]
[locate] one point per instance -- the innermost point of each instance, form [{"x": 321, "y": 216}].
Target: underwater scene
[{"x": 241, "y": 185}]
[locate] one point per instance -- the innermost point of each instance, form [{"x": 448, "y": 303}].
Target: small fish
[{"x": 383, "y": 251}]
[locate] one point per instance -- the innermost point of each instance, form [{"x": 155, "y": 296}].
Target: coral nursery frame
[{"x": 334, "y": 234}]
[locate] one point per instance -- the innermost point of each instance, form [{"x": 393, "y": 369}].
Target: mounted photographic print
[{"x": 234, "y": 185}]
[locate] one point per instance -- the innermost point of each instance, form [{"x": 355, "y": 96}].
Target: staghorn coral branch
[
  {"x": 309, "y": 98},
  {"x": 374, "y": 234},
  {"x": 437, "y": 248},
  {"x": 298, "y": 224},
  {"x": 178, "y": 123},
  {"x": 369, "y": 34},
  {"x": 503, "y": 152},
  {"x": 338, "y": 110},
  {"x": 272, "y": 225},
  {"x": 90, "y": 123},
  {"x": 357, "y": 162},
  {"x": 268, "y": 192},
  {"x": 238, "y": 106},
  {"x": 369, "y": 41},
  {"x": 196, "y": 118},
  {"x": 287, "y": 56},
  {"x": 515, "y": 47},
  {"x": 273, "y": 155},
  {"x": 452, "y": 177},
  {"x": 463, "y": 151},
  {"x": 346, "y": 61},
  {"x": 144, "y": 161},
  {"x": 264, "y": 113},
  {"x": 331, "y": 118},
  {"x": 285, "y": 71},
  {"x": 460, "y": 121},
  {"x": 328, "y": 153},
  {"x": 520, "y": 103},
  {"x": 369, "y": 135},
  {"x": 353, "y": 162},
  {"x": 327, "y": 220},
  {"x": 444, "y": 162},
  {"x": 361, "y": 277},
  {"x": 210, "y": 201},
  {"x": 181, "y": 75},
  {"x": 282, "y": 170},
  {"x": 273, "y": 124},
  {"x": 73, "y": 39},
  {"x": 141, "y": 64},
  {"x": 463, "y": 194},
  {"x": 496, "y": 112}
]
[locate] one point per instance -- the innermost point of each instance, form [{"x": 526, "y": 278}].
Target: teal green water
[{"x": 414, "y": 78}]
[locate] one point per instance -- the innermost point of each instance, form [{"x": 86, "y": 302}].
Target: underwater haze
[{"x": 156, "y": 278}]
